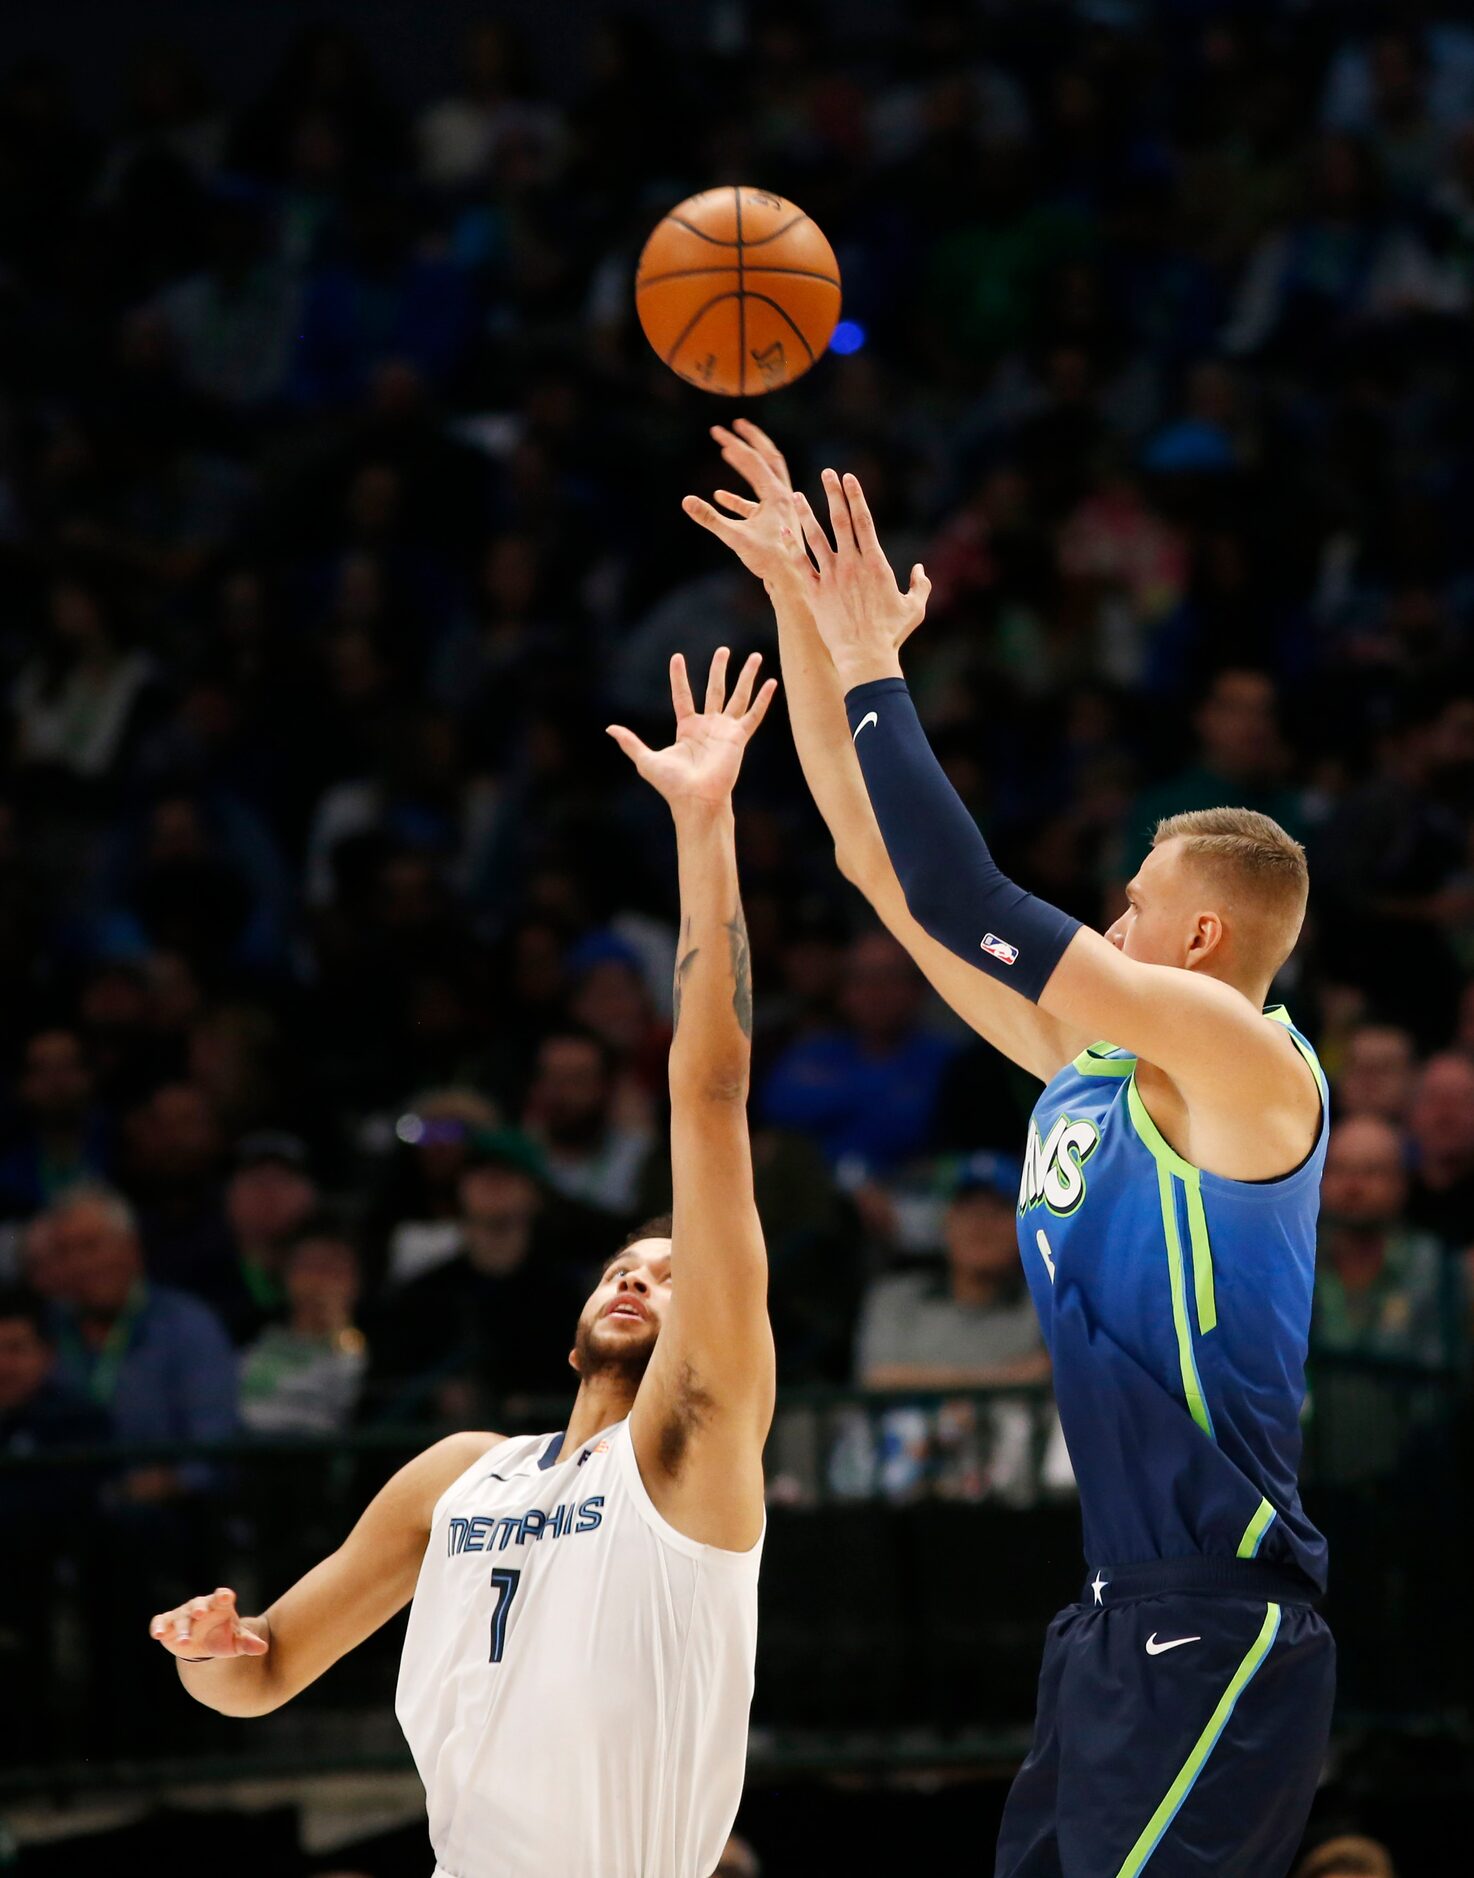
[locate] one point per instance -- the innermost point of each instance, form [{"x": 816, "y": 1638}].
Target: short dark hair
[
  {"x": 660, "y": 1226},
  {"x": 16, "y": 1302}
]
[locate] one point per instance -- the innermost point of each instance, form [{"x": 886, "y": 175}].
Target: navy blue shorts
[{"x": 1184, "y": 1712}]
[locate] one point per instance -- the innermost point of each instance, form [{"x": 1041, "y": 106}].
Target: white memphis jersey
[{"x": 577, "y": 1674}]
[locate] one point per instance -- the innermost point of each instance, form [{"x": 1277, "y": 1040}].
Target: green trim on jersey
[
  {"x": 1277, "y": 1014},
  {"x": 1156, "y": 1827},
  {"x": 1090, "y": 1063},
  {"x": 1155, "y": 1140},
  {"x": 1192, "y": 1386},
  {"x": 1171, "y": 1168},
  {"x": 1197, "y": 1227},
  {"x": 1255, "y": 1530}
]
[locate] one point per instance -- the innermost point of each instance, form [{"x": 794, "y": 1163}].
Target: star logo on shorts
[{"x": 1099, "y": 1586}]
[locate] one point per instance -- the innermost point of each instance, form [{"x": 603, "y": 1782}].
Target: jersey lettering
[
  {"x": 485, "y": 1532},
  {"x": 1053, "y": 1168}
]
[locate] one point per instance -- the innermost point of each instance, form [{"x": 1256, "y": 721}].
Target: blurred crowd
[{"x": 339, "y": 512}]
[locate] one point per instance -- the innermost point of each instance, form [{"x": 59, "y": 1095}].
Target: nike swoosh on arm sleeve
[{"x": 954, "y": 889}]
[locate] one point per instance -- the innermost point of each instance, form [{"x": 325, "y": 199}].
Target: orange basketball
[{"x": 738, "y": 291}]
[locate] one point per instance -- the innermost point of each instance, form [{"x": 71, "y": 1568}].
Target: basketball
[{"x": 738, "y": 291}]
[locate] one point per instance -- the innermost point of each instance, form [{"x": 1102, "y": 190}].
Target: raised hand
[
  {"x": 863, "y": 617},
  {"x": 702, "y": 764},
  {"x": 209, "y": 1626},
  {"x": 767, "y": 535}
]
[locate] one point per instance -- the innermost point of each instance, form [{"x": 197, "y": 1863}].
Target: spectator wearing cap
[
  {"x": 155, "y": 1359},
  {"x": 971, "y": 1323},
  {"x": 495, "y": 1319},
  {"x": 304, "y": 1376},
  {"x": 593, "y": 1154},
  {"x": 268, "y": 1196}
]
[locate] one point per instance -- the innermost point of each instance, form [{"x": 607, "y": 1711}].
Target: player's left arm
[
  {"x": 1231, "y": 1067},
  {"x": 706, "y": 1403}
]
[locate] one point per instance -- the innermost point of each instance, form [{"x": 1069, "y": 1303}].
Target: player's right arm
[
  {"x": 252, "y": 1665},
  {"x": 767, "y": 539}
]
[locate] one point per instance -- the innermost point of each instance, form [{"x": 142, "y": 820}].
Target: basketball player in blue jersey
[{"x": 1166, "y": 1222}]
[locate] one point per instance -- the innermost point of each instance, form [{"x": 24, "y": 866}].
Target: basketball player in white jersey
[{"x": 578, "y": 1666}]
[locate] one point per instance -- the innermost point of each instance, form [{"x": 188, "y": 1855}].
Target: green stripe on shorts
[{"x": 1155, "y": 1829}]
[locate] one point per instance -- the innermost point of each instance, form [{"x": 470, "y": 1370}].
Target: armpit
[{"x": 689, "y": 1409}]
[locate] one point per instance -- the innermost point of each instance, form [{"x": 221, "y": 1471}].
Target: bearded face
[{"x": 619, "y": 1326}]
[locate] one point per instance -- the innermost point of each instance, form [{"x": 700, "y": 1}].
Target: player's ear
[{"x": 1206, "y": 938}]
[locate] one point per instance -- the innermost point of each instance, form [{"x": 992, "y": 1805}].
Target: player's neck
[
  {"x": 600, "y": 1403},
  {"x": 1254, "y": 989}
]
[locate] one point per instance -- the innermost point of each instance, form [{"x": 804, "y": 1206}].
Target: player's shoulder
[
  {"x": 437, "y": 1468},
  {"x": 452, "y": 1455}
]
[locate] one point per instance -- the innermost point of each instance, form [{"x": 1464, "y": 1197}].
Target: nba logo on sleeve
[{"x": 1000, "y": 949}]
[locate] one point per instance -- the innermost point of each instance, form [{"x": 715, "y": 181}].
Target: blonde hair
[
  {"x": 1261, "y": 868},
  {"x": 1345, "y": 1857}
]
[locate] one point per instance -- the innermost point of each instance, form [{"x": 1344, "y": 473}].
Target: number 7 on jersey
[{"x": 504, "y": 1583}]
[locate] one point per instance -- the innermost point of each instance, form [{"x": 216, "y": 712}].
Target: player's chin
[{"x": 621, "y": 1336}]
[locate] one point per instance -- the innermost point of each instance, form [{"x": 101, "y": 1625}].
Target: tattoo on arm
[
  {"x": 681, "y": 969},
  {"x": 741, "y": 971}
]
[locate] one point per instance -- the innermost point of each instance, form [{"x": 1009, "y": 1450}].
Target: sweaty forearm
[{"x": 954, "y": 889}]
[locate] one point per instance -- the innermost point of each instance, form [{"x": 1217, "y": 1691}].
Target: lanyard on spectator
[{"x": 104, "y": 1366}]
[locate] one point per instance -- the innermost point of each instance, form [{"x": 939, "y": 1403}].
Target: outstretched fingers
[
  {"x": 705, "y": 516},
  {"x": 752, "y": 717},
  {"x": 739, "y": 505},
  {"x": 716, "y": 681},
  {"x": 680, "y": 688},
  {"x": 764, "y": 445},
  {"x": 814, "y": 533},
  {"x": 741, "y": 696},
  {"x": 637, "y": 752},
  {"x": 866, "y": 539},
  {"x": 839, "y": 513},
  {"x": 751, "y": 465},
  {"x": 918, "y": 593}
]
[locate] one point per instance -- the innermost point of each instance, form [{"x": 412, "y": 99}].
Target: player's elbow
[
  {"x": 930, "y": 894},
  {"x": 721, "y": 1086},
  {"x": 232, "y": 1699},
  {"x": 849, "y": 866}
]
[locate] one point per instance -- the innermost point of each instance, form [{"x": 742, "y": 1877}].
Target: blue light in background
[{"x": 849, "y": 336}]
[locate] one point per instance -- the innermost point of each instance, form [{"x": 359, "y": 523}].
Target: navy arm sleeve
[{"x": 954, "y": 888}]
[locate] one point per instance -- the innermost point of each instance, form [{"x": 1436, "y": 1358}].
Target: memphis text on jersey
[{"x": 494, "y": 1532}]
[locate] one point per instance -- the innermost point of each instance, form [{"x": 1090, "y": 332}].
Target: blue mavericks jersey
[{"x": 1176, "y": 1307}]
